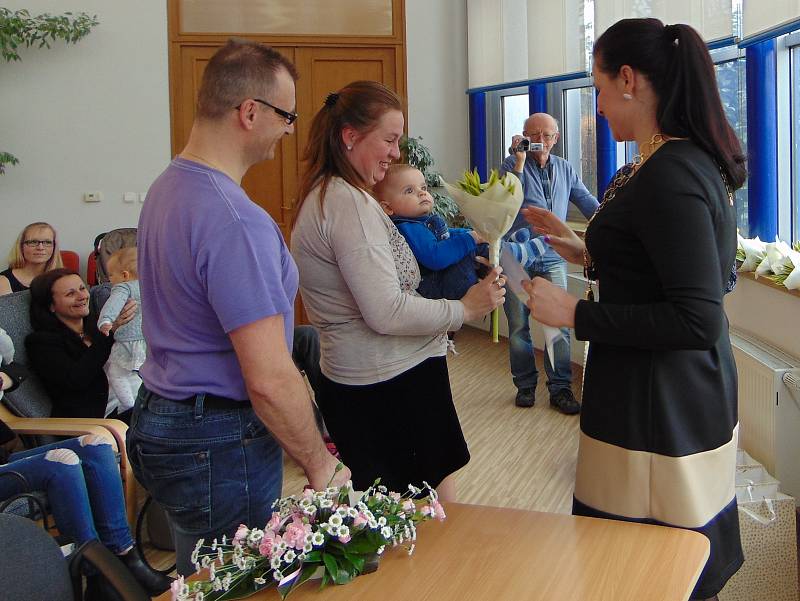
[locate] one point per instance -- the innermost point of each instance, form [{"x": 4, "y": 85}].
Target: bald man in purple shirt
[{"x": 221, "y": 396}]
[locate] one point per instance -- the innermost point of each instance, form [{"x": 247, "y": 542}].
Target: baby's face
[{"x": 406, "y": 195}]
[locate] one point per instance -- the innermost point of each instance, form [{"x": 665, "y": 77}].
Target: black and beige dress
[{"x": 659, "y": 421}]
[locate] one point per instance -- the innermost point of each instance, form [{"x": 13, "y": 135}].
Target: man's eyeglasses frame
[{"x": 288, "y": 116}]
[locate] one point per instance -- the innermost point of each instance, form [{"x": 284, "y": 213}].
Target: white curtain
[
  {"x": 484, "y": 43},
  {"x": 712, "y": 18},
  {"x": 515, "y": 40},
  {"x": 760, "y": 16},
  {"x": 556, "y": 37}
]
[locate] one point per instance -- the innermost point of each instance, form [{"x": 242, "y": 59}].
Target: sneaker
[
  {"x": 565, "y": 402},
  {"x": 526, "y": 397}
]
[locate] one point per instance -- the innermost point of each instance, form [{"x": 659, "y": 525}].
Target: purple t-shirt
[{"x": 210, "y": 261}]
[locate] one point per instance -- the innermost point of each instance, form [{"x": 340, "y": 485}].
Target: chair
[
  {"x": 26, "y": 410},
  {"x": 107, "y": 244},
  {"x": 91, "y": 269},
  {"x": 70, "y": 260},
  {"x": 33, "y": 568}
]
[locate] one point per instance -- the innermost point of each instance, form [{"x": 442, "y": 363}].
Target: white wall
[
  {"x": 769, "y": 314},
  {"x": 93, "y": 116},
  {"x": 436, "y": 48}
]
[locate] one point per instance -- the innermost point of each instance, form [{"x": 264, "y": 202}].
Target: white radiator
[{"x": 769, "y": 408}]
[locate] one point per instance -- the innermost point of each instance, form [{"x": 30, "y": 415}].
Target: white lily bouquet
[
  {"x": 491, "y": 208},
  {"x": 777, "y": 261}
]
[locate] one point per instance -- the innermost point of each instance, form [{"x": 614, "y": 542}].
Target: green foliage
[
  {"x": 416, "y": 154},
  {"x": 19, "y": 28},
  {"x": 7, "y": 159},
  {"x": 471, "y": 182}
]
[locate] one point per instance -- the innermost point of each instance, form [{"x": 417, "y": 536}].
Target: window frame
[
  {"x": 789, "y": 159},
  {"x": 556, "y": 105},
  {"x": 494, "y": 123}
]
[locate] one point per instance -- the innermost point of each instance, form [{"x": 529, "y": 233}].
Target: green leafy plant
[
  {"x": 7, "y": 159},
  {"x": 19, "y": 28},
  {"x": 416, "y": 154}
]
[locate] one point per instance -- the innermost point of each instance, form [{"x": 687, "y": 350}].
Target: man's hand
[
  {"x": 518, "y": 156},
  {"x": 280, "y": 398},
  {"x": 333, "y": 473}
]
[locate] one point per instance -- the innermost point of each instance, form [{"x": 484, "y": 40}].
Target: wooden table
[{"x": 487, "y": 553}]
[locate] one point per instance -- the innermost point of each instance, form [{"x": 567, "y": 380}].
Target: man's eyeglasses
[
  {"x": 288, "y": 116},
  {"x": 35, "y": 243},
  {"x": 541, "y": 136}
]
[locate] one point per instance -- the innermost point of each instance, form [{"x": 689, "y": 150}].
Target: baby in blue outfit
[
  {"x": 446, "y": 256},
  {"x": 129, "y": 349}
]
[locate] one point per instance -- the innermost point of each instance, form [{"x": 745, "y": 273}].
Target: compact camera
[{"x": 525, "y": 145}]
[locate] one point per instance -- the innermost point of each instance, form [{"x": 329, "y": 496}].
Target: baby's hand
[{"x": 105, "y": 329}]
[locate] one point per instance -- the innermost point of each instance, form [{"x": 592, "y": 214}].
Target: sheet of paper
[{"x": 515, "y": 275}]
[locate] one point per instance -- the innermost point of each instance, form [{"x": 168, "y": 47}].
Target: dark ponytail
[{"x": 676, "y": 62}]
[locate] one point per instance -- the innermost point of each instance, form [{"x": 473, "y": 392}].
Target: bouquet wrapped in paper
[
  {"x": 491, "y": 208},
  {"x": 777, "y": 261},
  {"x": 752, "y": 253},
  {"x": 782, "y": 264}
]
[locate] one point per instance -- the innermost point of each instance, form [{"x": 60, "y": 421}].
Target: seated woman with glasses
[{"x": 34, "y": 252}]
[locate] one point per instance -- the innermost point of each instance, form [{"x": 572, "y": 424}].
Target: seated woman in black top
[
  {"x": 66, "y": 350},
  {"x": 35, "y": 252}
]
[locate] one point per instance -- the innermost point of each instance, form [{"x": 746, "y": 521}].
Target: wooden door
[
  {"x": 267, "y": 183},
  {"x": 325, "y": 70}
]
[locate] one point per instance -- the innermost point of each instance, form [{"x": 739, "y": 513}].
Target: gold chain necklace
[
  {"x": 622, "y": 177},
  {"x": 205, "y": 160}
]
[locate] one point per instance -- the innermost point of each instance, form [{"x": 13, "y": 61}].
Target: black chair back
[{"x": 32, "y": 566}]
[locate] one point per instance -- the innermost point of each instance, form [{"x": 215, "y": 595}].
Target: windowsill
[{"x": 767, "y": 282}]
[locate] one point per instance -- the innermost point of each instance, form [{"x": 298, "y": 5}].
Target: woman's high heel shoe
[{"x": 153, "y": 581}]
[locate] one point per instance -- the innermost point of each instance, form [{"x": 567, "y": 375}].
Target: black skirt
[{"x": 403, "y": 431}]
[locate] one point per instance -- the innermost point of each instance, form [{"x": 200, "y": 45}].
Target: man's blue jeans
[
  {"x": 210, "y": 469},
  {"x": 523, "y": 366},
  {"x": 83, "y": 489}
]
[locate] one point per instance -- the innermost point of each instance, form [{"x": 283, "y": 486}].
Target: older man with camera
[{"x": 548, "y": 182}]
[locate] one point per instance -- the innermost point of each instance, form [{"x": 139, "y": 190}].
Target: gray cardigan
[{"x": 358, "y": 279}]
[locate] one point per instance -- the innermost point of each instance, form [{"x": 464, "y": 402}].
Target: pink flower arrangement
[{"x": 328, "y": 534}]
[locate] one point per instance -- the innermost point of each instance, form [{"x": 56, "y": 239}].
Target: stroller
[{"x": 105, "y": 245}]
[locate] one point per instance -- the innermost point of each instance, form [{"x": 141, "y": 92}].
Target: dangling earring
[
  {"x": 349, "y": 147},
  {"x": 627, "y": 96}
]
